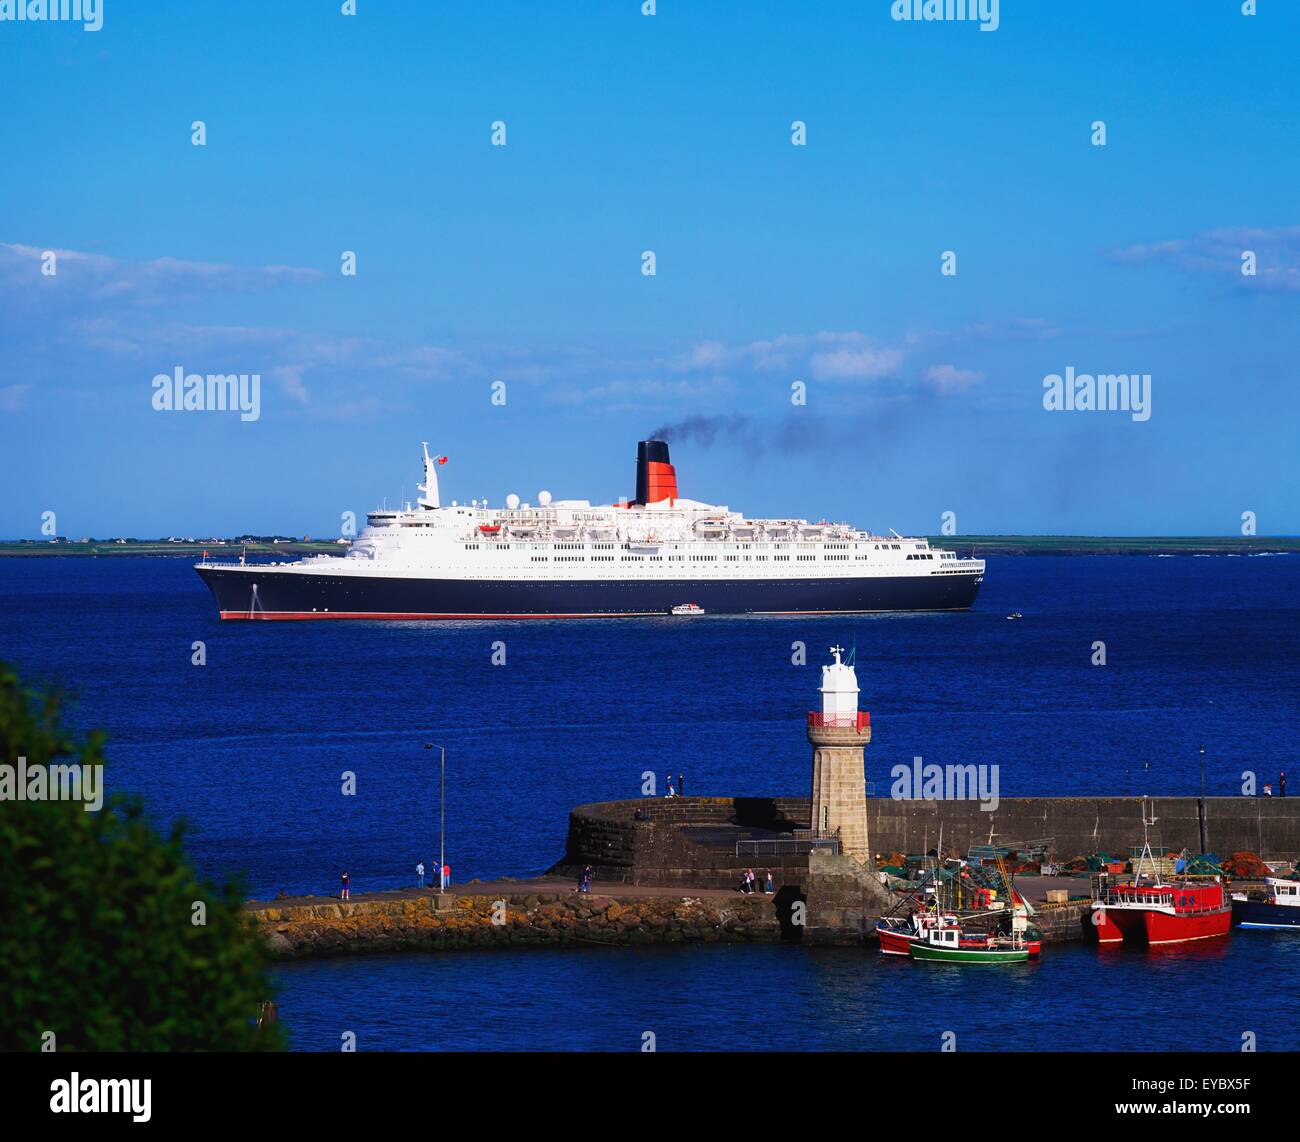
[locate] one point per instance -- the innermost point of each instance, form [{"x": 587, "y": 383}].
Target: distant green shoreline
[
  {"x": 163, "y": 547},
  {"x": 964, "y": 544},
  {"x": 1116, "y": 545}
]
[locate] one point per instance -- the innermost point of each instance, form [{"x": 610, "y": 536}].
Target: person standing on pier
[
  {"x": 768, "y": 889},
  {"x": 681, "y": 786},
  {"x": 419, "y": 872},
  {"x": 1281, "y": 784},
  {"x": 446, "y": 876},
  {"x": 347, "y": 884},
  {"x": 672, "y": 792}
]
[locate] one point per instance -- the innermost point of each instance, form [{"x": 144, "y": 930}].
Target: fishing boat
[
  {"x": 945, "y": 903},
  {"x": 1153, "y": 909},
  {"x": 946, "y": 943},
  {"x": 896, "y": 934},
  {"x": 1277, "y": 905}
]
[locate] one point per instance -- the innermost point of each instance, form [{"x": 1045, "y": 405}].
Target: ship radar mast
[{"x": 430, "y": 485}]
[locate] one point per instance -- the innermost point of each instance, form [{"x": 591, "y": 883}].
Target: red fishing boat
[
  {"x": 1152, "y": 909},
  {"x": 1161, "y": 913}
]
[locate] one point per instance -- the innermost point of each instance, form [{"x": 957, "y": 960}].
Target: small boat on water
[
  {"x": 1277, "y": 905},
  {"x": 897, "y": 934},
  {"x": 687, "y": 609},
  {"x": 1015, "y": 615},
  {"x": 946, "y": 943}
]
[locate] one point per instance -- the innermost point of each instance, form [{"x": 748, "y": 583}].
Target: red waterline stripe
[{"x": 261, "y": 616}]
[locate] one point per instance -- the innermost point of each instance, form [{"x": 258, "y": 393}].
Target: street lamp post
[
  {"x": 1203, "y": 805},
  {"x": 442, "y": 813}
]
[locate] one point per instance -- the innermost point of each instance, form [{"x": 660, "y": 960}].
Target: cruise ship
[{"x": 657, "y": 554}]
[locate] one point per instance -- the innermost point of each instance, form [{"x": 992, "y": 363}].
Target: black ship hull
[{"x": 261, "y": 593}]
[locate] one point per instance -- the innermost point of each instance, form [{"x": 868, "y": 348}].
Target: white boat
[
  {"x": 1277, "y": 905},
  {"x": 711, "y": 527},
  {"x": 688, "y": 609}
]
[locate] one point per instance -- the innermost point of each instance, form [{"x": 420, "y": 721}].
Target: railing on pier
[
  {"x": 798, "y": 843},
  {"x": 859, "y": 721}
]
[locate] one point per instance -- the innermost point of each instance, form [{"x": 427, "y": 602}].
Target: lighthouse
[{"x": 839, "y": 732}]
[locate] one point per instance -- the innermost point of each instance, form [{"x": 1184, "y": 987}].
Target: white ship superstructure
[{"x": 569, "y": 557}]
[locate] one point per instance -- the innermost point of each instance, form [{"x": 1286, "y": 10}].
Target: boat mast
[{"x": 1146, "y": 848}]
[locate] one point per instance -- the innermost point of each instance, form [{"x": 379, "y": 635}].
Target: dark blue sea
[{"x": 253, "y": 747}]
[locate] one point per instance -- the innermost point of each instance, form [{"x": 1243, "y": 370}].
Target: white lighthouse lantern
[{"x": 839, "y": 692}]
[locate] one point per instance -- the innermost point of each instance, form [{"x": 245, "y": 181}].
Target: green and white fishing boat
[{"x": 945, "y": 943}]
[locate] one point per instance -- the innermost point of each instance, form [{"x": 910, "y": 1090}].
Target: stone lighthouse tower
[{"x": 838, "y": 733}]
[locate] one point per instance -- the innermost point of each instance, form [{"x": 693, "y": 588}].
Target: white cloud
[
  {"x": 1276, "y": 249},
  {"x": 826, "y": 355},
  {"x": 949, "y": 378},
  {"x": 103, "y": 278},
  {"x": 289, "y": 378},
  {"x": 856, "y": 364}
]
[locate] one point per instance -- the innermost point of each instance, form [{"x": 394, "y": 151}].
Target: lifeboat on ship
[{"x": 490, "y": 529}]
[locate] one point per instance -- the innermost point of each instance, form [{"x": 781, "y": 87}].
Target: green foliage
[{"x": 97, "y": 940}]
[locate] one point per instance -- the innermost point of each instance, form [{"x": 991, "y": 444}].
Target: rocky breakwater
[{"x": 378, "y": 924}]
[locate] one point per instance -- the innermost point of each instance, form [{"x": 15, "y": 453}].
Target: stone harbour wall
[
  {"x": 297, "y": 931},
  {"x": 669, "y": 847}
]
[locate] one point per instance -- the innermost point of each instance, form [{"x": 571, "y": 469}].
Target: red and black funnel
[{"x": 655, "y": 478}]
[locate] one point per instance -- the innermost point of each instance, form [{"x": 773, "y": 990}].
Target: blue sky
[{"x": 775, "y": 263}]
